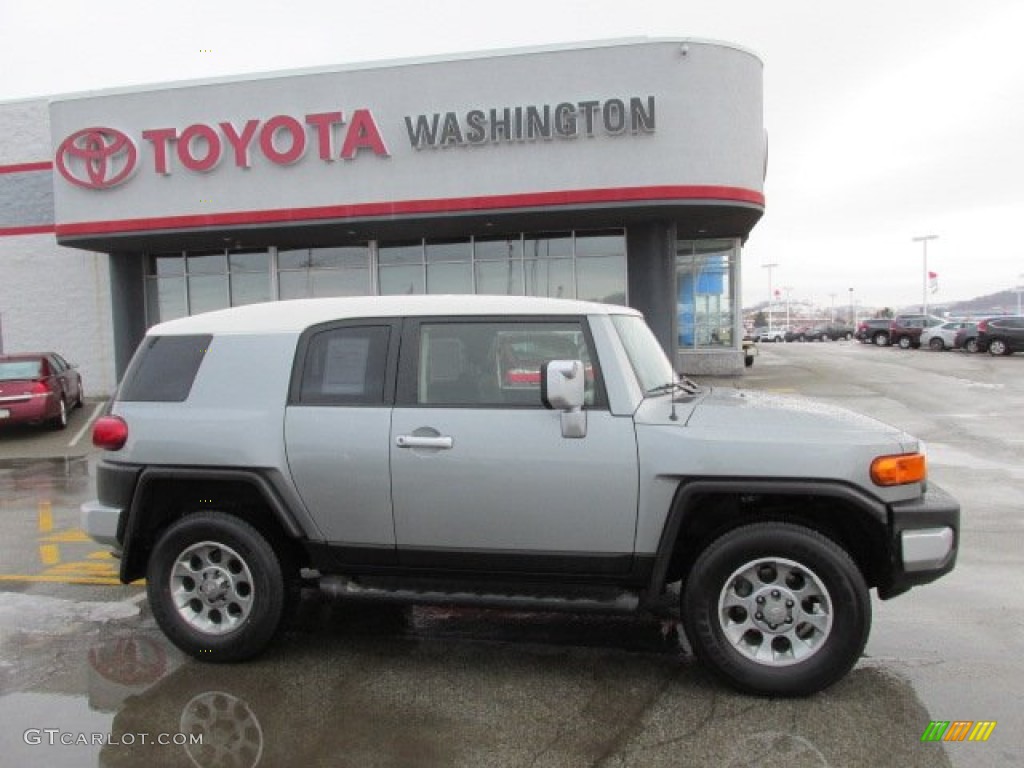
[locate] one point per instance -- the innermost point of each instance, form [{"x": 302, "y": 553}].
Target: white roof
[{"x": 294, "y": 316}]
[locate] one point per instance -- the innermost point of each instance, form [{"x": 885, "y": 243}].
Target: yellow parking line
[
  {"x": 91, "y": 569},
  {"x": 60, "y": 579},
  {"x": 49, "y": 554},
  {"x": 45, "y": 510},
  {"x": 73, "y": 535}
]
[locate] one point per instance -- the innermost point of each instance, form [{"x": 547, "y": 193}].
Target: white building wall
[
  {"x": 25, "y": 126},
  {"x": 51, "y": 298},
  {"x": 54, "y": 298}
]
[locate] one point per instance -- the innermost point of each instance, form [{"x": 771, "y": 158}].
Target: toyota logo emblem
[{"x": 96, "y": 158}]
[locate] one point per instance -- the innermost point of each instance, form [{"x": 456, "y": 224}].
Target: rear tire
[
  {"x": 881, "y": 339},
  {"x": 216, "y": 587},
  {"x": 60, "y": 421},
  {"x": 998, "y": 347},
  {"x": 904, "y": 342},
  {"x": 776, "y": 609}
]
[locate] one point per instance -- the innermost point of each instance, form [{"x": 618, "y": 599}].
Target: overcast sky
[{"x": 886, "y": 119}]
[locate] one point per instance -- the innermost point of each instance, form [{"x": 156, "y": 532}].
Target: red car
[{"x": 38, "y": 387}]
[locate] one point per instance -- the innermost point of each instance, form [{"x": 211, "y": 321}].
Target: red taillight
[
  {"x": 110, "y": 432},
  {"x": 40, "y": 388},
  {"x": 983, "y": 326}
]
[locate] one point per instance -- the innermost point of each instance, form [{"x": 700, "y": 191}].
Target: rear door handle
[{"x": 415, "y": 441}]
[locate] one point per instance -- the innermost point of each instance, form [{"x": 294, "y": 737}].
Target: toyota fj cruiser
[{"x": 531, "y": 453}]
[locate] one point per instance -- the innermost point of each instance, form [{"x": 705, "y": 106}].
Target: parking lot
[{"x": 356, "y": 685}]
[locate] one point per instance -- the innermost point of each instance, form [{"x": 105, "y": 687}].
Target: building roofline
[{"x": 390, "y": 63}]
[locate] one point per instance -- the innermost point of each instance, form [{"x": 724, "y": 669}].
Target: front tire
[
  {"x": 216, "y": 587},
  {"x": 777, "y": 609},
  {"x": 937, "y": 344}
]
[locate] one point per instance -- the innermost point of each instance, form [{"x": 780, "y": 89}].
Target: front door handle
[{"x": 416, "y": 441}]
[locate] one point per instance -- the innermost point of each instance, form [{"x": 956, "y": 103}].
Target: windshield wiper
[
  {"x": 688, "y": 387},
  {"x": 682, "y": 384}
]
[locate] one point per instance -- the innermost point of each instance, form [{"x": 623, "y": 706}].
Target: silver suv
[{"x": 520, "y": 452}]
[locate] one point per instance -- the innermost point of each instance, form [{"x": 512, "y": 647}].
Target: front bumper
[{"x": 925, "y": 537}]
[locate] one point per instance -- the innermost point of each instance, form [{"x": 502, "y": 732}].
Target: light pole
[
  {"x": 923, "y": 239},
  {"x": 1020, "y": 290},
  {"x": 787, "y": 289},
  {"x": 832, "y": 311},
  {"x": 771, "y": 295},
  {"x": 851, "y": 321}
]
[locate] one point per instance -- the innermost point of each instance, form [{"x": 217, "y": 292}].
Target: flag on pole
[{"x": 933, "y": 281}]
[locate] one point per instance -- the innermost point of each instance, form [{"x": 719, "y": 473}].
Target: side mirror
[{"x": 562, "y": 388}]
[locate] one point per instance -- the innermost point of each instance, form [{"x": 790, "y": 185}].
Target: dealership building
[{"x": 627, "y": 171}]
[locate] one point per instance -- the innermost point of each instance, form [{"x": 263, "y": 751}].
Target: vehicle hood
[
  {"x": 729, "y": 432},
  {"x": 766, "y": 415}
]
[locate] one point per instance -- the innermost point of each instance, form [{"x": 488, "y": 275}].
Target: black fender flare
[
  {"x": 689, "y": 489},
  {"x": 134, "y": 524}
]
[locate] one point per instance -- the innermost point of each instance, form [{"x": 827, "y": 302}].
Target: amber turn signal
[{"x": 899, "y": 470}]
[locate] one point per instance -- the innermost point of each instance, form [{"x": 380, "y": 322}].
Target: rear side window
[
  {"x": 345, "y": 366},
  {"x": 163, "y": 369}
]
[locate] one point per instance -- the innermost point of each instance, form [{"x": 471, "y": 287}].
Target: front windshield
[{"x": 651, "y": 366}]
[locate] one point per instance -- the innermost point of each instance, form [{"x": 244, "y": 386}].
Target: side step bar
[{"x": 582, "y": 601}]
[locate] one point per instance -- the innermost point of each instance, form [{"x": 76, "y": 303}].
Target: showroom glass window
[
  {"x": 180, "y": 284},
  {"x": 569, "y": 265},
  {"x": 705, "y": 276},
  {"x": 585, "y": 264},
  {"x": 308, "y": 273}
]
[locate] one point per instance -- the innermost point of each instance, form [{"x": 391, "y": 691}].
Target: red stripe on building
[
  {"x": 655, "y": 194},
  {"x": 38, "y": 229},
  {"x": 45, "y": 165}
]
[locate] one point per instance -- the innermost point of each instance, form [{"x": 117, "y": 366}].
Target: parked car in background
[
  {"x": 1001, "y": 335},
  {"x": 830, "y": 333},
  {"x": 905, "y": 330},
  {"x": 797, "y": 333},
  {"x": 817, "y": 333},
  {"x": 873, "y": 331},
  {"x": 966, "y": 338},
  {"x": 765, "y": 334},
  {"x": 940, "y": 337},
  {"x": 38, "y": 388}
]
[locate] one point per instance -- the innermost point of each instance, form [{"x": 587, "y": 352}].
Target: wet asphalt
[{"x": 87, "y": 679}]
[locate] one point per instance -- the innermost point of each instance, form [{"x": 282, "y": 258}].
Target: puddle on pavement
[
  {"x": 371, "y": 685},
  {"x": 34, "y": 479}
]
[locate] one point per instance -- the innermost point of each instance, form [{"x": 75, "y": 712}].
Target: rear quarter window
[{"x": 164, "y": 368}]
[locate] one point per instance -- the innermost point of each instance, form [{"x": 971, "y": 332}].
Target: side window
[
  {"x": 489, "y": 364},
  {"x": 164, "y": 368},
  {"x": 345, "y": 366}
]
